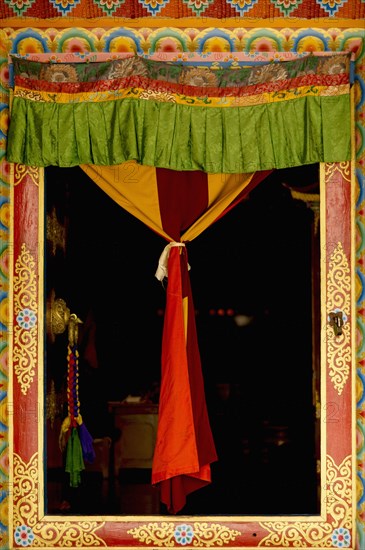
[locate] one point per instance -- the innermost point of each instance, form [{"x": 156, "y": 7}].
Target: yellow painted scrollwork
[
  {"x": 338, "y": 498},
  {"x": 21, "y": 171},
  {"x": 46, "y": 533},
  {"x": 200, "y": 535},
  {"x": 206, "y": 535},
  {"x": 25, "y": 309},
  {"x": 158, "y": 534},
  {"x": 343, "y": 168},
  {"x": 338, "y": 298}
]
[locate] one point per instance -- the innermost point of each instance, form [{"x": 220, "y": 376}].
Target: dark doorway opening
[{"x": 255, "y": 282}]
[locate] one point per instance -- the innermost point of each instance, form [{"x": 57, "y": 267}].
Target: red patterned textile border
[
  {"x": 220, "y": 9},
  {"x": 158, "y": 86}
]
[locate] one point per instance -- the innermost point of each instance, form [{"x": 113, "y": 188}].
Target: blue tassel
[{"x": 87, "y": 444}]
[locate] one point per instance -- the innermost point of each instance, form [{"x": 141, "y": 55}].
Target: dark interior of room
[{"x": 253, "y": 279}]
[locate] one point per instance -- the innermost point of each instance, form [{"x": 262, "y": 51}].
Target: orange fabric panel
[
  {"x": 222, "y": 190},
  {"x": 133, "y": 187}
]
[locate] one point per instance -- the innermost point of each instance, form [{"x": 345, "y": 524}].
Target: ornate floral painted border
[
  {"x": 181, "y": 42},
  {"x": 220, "y": 9},
  {"x": 333, "y": 529},
  {"x": 178, "y": 43}
]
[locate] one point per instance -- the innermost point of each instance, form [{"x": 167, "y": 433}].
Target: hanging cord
[
  {"x": 73, "y": 404},
  {"x": 73, "y": 401}
]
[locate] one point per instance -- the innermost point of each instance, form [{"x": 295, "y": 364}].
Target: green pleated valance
[{"x": 272, "y": 115}]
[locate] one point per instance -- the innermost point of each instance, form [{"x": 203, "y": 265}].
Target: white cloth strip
[{"x": 162, "y": 270}]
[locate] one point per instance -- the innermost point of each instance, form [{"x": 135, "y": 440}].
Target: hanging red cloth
[{"x": 185, "y": 447}]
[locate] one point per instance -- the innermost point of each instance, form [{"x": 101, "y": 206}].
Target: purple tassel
[{"x": 87, "y": 444}]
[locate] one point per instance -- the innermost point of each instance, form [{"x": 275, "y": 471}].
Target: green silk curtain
[{"x": 273, "y": 115}]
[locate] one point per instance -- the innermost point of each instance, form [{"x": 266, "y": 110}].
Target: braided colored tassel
[
  {"x": 79, "y": 442},
  {"x": 73, "y": 401},
  {"x": 74, "y": 459}
]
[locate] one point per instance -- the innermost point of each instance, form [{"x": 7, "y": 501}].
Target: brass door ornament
[
  {"x": 59, "y": 317},
  {"x": 73, "y": 329}
]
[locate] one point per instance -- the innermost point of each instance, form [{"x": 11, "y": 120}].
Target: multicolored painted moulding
[
  {"x": 342, "y": 284},
  {"x": 220, "y": 9}
]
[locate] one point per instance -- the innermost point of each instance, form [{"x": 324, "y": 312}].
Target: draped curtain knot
[{"x": 162, "y": 270}]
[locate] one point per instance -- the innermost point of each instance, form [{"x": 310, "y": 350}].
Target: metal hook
[{"x": 336, "y": 320}]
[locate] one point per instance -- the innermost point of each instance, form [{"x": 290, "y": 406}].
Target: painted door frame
[{"x": 339, "y": 501}]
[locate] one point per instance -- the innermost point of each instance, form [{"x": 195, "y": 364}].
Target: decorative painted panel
[
  {"x": 179, "y": 43},
  {"x": 335, "y": 526},
  {"x": 29, "y": 526},
  {"x": 220, "y": 9}
]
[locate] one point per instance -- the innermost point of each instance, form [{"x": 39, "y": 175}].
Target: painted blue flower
[
  {"x": 26, "y": 318},
  {"x": 341, "y": 538},
  {"x": 23, "y": 535},
  {"x": 183, "y": 534}
]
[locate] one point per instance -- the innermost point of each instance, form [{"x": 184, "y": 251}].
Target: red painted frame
[{"x": 337, "y": 401}]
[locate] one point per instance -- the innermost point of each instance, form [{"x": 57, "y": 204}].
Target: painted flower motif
[
  {"x": 65, "y": 6},
  {"x": 23, "y": 535},
  {"x": 242, "y": 6},
  {"x": 216, "y": 44},
  {"x": 4, "y": 310},
  {"x": 123, "y": 44},
  {"x": 59, "y": 73},
  {"x": 4, "y": 360},
  {"x": 184, "y": 534},
  {"x": 30, "y": 45},
  {"x": 5, "y": 170},
  {"x": 154, "y": 6},
  {"x": 168, "y": 44},
  {"x": 198, "y": 6},
  {"x": 26, "y": 318},
  {"x": 341, "y": 538},
  {"x": 76, "y": 44},
  {"x": 4, "y": 511},
  {"x": 4, "y": 465},
  {"x": 5, "y": 214},
  {"x": 264, "y": 44},
  {"x": 310, "y": 44},
  {"x": 288, "y": 3},
  {"x": 4, "y": 121},
  {"x": 109, "y": 6},
  {"x": 4, "y": 75},
  {"x": 354, "y": 44},
  {"x": 20, "y": 6},
  {"x": 198, "y": 76},
  {"x": 331, "y": 6},
  {"x": 359, "y": 434},
  {"x": 287, "y": 6}
]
